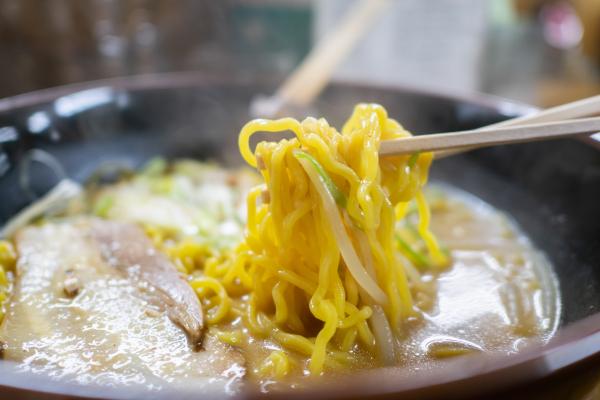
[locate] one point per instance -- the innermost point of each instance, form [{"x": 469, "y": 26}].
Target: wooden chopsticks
[
  {"x": 490, "y": 136},
  {"x": 581, "y": 108}
]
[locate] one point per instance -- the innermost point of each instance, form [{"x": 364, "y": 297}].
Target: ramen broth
[{"x": 498, "y": 293}]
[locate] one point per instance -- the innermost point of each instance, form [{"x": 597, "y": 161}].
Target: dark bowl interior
[{"x": 551, "y": 189}]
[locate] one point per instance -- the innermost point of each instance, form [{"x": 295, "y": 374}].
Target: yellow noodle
[
  {"x": 276, "y": 365},
  {"x": 206, "y": 284},
  {"x": 293, "y": 259},
  {"x": 432, "y": 245},
  {"x": 233, "y": 338},
  {"x": 348, "y": 339}
]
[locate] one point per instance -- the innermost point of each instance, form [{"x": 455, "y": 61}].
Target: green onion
[
  {"x": 413, "y": 160},
  {"x": 335, "y": 192},
  {"x": 154, "y": 167},
  {"x": 412, "y": 228},
  {"x": 103, "y": 205},
  {"x": 420, "y": 260},
  {"x": 445, "y": 251}
]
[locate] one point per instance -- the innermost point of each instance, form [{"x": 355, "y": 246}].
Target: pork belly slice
[
  {"x": 94, "y": 302},
  {"x": 127, "y": 248}
]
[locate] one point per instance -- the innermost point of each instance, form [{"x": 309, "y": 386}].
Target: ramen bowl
[{"x": 550, "y": 189}]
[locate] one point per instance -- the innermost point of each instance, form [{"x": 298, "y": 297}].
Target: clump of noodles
[{"x": 321, "y": 260}]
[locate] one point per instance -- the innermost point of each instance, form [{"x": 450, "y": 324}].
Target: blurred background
[{"x": 542, "y": 52}]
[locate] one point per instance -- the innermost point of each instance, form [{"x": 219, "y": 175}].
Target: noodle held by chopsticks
[{"x": 306, "y": 265}]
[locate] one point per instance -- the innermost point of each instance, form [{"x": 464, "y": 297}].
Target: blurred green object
[{"x": 280, "y": 33}]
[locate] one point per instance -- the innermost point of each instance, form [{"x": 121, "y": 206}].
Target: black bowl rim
[{"x": 194, "y": 78}]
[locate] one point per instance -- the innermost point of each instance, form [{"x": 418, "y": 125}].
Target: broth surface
[{"x": 498, "y": 293}]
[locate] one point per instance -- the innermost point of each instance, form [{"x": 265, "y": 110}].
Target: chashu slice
[
  {"x": 93, "y": 303},
  {"x": 127, "y": 248}
]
